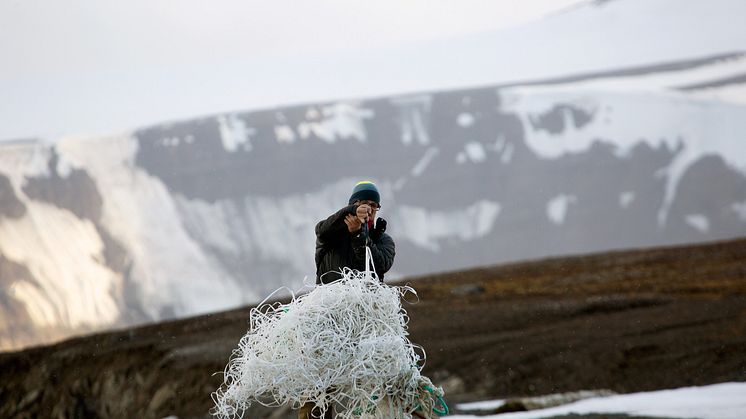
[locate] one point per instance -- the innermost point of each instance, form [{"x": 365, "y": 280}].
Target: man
[
  {"x": 341, "y": 238},
  {"x": 340, "y": 243}
]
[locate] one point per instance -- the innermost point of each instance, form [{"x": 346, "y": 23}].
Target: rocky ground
[{"x": 624, "y": 321}]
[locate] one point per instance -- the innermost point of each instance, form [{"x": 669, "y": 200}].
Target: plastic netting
[{"x": 342, "y": 344}]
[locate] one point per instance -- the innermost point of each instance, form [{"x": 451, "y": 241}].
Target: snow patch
[
  {"x": 63, "y": 167},
  {"x": 535, "y": 402},
  {"x": 65, "y": 271},
  {"x": 422, "y": 164},
  {"x": 718, "y": 401},
  {"x": 19, "y": 161},
  {"x": 740, "y": 209},
  {"x": 312, "y": 113},
  {"x": 481, "y": 405},
  {"x": 234, "y": 133},
  {"x": 557, "y": 208},
  {"x": 214, "y": 224},
  {"x": 699, "y": 222},
  {"x": 507, "y": 154},
  {"x": 425, "y": 227},
  {"x": 626, "y": 198},
  {"x": 284, "y": 134},
  {"x": 338, "y": 122},
  {"x": 475, "y": 152},
  {"x": 414, "y": 114},
  {"x": 465, "y": 119},
  {"x": 170, "y": 141}
]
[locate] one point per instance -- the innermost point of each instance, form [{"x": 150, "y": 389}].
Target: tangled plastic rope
[{"x": 342, "y": 345}]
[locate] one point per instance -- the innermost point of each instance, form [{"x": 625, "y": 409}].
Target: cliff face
[
  {"x": 201, "y": 215},
  {"x": 626, "y": 321}
]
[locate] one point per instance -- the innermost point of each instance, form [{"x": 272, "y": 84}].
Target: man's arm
[{"x": 333, "y": 227}]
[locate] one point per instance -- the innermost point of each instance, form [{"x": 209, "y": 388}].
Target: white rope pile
[{"x": 343, "y": 344}]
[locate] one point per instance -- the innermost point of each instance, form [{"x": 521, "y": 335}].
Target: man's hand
[
  {"x": 353, "y": 223},
  {"x": 363, "y": 211}
]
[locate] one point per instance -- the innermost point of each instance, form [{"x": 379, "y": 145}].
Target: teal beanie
[{"x": 365, "y": 190}]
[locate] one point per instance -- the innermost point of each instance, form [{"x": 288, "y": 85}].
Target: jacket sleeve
[
  {"x": 334, "y": 227},
  {"x": 383, "y": 251}
]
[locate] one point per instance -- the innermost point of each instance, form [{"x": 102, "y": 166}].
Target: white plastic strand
[{"x": 342, "y": 345}]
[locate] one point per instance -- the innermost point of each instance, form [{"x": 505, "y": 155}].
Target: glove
[{"x": 380, "y": 227}]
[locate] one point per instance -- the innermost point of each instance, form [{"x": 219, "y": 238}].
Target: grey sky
[{"x": 97, "y": 66}]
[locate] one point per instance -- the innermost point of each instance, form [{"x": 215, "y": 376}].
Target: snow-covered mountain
[{"x": 206, "y": 214}]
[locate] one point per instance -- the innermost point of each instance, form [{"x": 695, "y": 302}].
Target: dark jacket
[{"x": 337, "y": 248}]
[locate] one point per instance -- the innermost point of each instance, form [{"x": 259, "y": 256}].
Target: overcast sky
[{"x": 101, "y": 66}]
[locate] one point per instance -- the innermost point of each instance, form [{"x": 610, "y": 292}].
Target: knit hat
[{"x": 365, "y": 190}]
